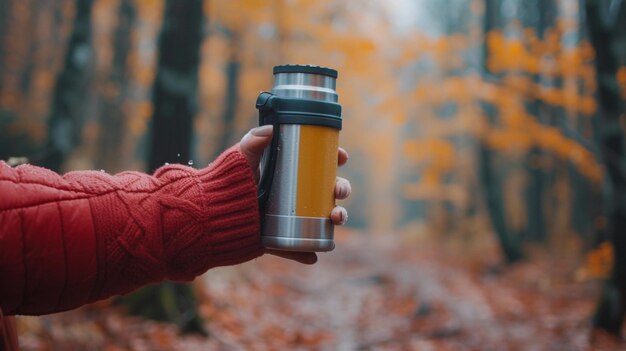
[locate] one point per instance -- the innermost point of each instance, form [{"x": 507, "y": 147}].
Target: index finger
[{"x": 342, "y": 157}]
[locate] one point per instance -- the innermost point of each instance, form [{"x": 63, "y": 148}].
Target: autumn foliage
[{"x": 470, "y": 126}]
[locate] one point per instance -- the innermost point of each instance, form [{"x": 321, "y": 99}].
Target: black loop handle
[{"x": 267, "y": 115}]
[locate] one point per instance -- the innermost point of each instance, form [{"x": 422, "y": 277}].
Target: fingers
[
  {"x": 301, "y": 257},
  {"x": 343, "y": 189},
  {"x": 253, "y": 144},
  {"x": 342, "y": 157},
  {"x": 339, "y": 215}
]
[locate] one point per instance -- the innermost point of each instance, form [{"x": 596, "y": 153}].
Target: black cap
[{"x": 305, "y": 69}]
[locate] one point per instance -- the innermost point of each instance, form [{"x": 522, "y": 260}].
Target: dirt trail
[{"x": 368, "y": 295}]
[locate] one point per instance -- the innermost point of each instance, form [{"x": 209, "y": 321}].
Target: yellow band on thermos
[{"x": 317, "y": 171}]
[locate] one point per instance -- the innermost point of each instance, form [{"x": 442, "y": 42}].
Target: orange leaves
[
  {"x": 506, "y": 54},
  {"x": 509, "y": 140},
  {"x": 237, "y": 14},
  {"x": 598, "y": 263},
  {"x": 521, "y": 131},
  {"x": 436, "y": 155},
  {"x": 551, "y": 139},
  {"x": 621, "y": 79},
  {"x": 523, "y": 87},
  {"x": 530, "y": 54},
  {"x": 449, "y": 89},
  {"x": 528, "y": 68},
  {"x": 518, "y": 130},
  {"x": 350, "y": 46}
]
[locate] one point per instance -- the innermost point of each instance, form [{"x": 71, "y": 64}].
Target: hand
[{"x": 252, "y": 146}]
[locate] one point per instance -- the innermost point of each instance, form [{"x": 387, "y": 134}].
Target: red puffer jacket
[{"x": 70, "y": 240}]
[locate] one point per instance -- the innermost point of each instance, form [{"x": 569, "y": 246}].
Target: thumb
[{"x": 253, "y": 144}]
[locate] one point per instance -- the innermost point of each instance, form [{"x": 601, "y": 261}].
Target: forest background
[{"x": 486, "y": 140}]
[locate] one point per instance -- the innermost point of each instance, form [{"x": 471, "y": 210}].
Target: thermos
[{"x": 298, "y": 169}]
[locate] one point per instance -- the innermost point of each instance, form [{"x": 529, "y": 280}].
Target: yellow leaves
[
  {"x": 351, "y": 46},
  {"x": 509, "y": 140},
  {"x": 436, "y": 155},
  {"x": 547, "y": 57},
  {"x": 504, "y": 54},
  {"x": 451, "y": 89},
  {"x": 587, "y": 105},
  {"x": 394, "y": 109},
  {"x": 517, "y": 86},
  {"x": 253, "y": 6},
  {"x": 571, "y": 60},
  {"x": 256, "y": 80},
  {"x": 399, "y": 118},
  {"x": 355, "y": 50},
  {"x": 517, "y": 130},
  {"x": 550, "y": 138},
  {"x": 237, "y": 15},
  {"x": 521, "y": 132},
  {"x": 515, "y": 52}
]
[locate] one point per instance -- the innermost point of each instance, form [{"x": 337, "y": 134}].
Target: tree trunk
[
  {"x": 174, "y": 99},
  {"x": 5, "y": 9},
  {"x": 537, "y": 185},
  {"x": 65, "y": 121},
  {"x": 233, "y": 69},
  {"x": 606, "y": 40},
  {"x": 175, "y": 87},
  {"x": 115, "y": 91},
  {"x": 491, "y": 185},
  {"x": 509, "y": 243}
]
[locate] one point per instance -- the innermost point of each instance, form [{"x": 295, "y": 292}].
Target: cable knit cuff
[{"x": 232, "y": 233}]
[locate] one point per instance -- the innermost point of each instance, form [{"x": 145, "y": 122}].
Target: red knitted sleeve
[{"x": 85, "y": 236}]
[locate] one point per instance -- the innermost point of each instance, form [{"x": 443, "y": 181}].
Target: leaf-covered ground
[{"x": 370, "y": 293}]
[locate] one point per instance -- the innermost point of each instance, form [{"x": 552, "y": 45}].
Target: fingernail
[
  {"x": 343, "y": 189},
  {"x": 344, "y": 216},
  {"x": 262, "y": 131}
]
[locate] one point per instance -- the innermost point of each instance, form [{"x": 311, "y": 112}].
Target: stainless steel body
[
  {"x": 283, "y": 227},
  {"x": 305, "y": 86}
]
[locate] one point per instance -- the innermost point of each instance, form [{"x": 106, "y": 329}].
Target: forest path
[{"x": 370, "y": 293}]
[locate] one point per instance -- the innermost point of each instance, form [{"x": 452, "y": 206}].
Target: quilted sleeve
[{"x": 70, "y": 240}]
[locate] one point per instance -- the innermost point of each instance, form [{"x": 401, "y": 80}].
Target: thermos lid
[{"x": 306, "y": 69}]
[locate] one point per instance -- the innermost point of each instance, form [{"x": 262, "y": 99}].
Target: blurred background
[{"x": 487, "y": 163}]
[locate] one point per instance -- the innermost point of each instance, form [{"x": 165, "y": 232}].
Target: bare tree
[
  {"x": 606, "y": 22},
  {"x": 174, "y": 98}
]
